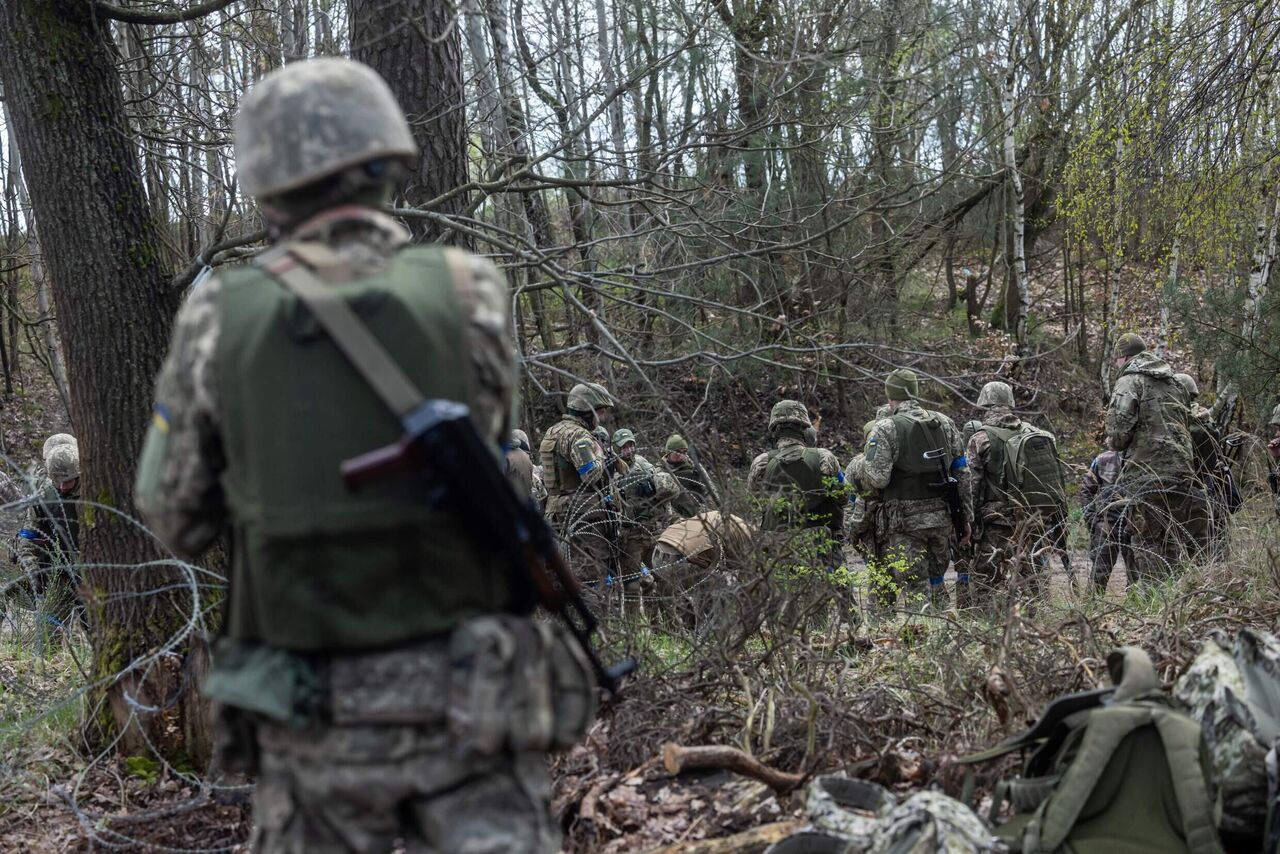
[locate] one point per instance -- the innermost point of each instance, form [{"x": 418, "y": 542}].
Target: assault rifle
[
  {"x": 950, "y": 492},
  {"x": 440, "y": 436}
]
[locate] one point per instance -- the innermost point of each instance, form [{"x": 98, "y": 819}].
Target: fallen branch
[
  {"x": 748, "y": 842},
  {"x": 676, "y": 758}
]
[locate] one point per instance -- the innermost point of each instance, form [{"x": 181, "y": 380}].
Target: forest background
[{"x": 706, "y": 205}]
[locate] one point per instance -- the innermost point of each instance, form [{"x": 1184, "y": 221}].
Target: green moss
[{"x": 144, "y": 768}]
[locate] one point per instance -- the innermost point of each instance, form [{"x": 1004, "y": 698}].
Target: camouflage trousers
[
  {"x": 912, "y": 563},
  {"x": 362, "y": 788},
  {"x": 1010, "y": 556},
  {"x": 590, "y": 541},
  {"x": 1109, "y": 542},
  {"x": 1167, "y": 523}
]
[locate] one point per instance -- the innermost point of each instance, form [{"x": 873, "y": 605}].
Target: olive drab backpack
[
  {"x": 1029, "y": 473},
  {"x": 1117, "y": 770},
  {"x": 793, "y": 479}
]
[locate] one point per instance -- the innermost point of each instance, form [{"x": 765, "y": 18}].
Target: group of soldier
[{"x": 923, "y": 496}]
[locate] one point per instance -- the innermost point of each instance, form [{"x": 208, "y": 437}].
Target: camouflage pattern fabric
[
  {"x": 989, "y": 506},
  {"x": 183, "y": 505},
  {"x": 520, "y": 471},
  {"x": 916, "y": 560},
  {"x": 1166, "y": 523},
  {"x": 50, "y": 580},
  {"x": 1238, "y": 726},
  {"x": 697, "y": 493},
  {"x": 582, "y": 505},
  {"x": 829, "y": 465}
]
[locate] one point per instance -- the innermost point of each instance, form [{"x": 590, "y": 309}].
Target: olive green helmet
[
  {"x": 54, "y": 441},
  {"x": 1129, "y": 345},
  {"x": 622, "y": 436},
  {"x": 313, "y": 119},
  {"x": 1188, "y": 384},
  {"x": 902, "y": 384},
  {"x": 969, "y": 428},
  {"x": 64, "y": 463},
  {"x": 588, "y": 397},
  {"x": 789, "y": 413},
  {"x": 995, "y": 394},
  {"x": 520, "y": 439},
  {"x": 1275, "y": 417}
]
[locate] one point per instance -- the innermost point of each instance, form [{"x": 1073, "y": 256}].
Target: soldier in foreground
[
  {"x": 576, "y": 471},
  {"x": 1147, "y": 420},
  {"x": 910, "y": 458},
  {"x": 348, "y": 614},
  {"x": 697, "y": 492}
]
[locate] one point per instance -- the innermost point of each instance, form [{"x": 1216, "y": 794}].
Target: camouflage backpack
[
  {"x": 1233, "y": 689},
  {"x": 1028, "y": 473},
  {"x": 849, "y": 816},
  {"x": 1112, "y": 770}
]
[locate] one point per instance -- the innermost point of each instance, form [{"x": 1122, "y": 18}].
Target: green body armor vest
[
  {"x": 797, "y": 497},
  {"x": 315, "y": 567},
  {"x": 914, "y": 478}
]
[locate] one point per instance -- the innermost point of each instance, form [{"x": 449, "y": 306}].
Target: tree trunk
[
  {"x": 1166, "y": 297},
  {"x": 416, "y": 46},
  {"x": 114, "y": 307},
  {"x": 1018, "y": 292}
]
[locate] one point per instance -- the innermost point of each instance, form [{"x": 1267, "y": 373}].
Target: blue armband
[
  {"x": 960, "y": 463},
  {"x": 28, "y": 534},
  {"x": 585, "y": 468},
  {"x": 840, "y": 478}
]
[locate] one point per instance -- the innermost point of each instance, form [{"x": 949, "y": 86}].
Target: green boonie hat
[
  {"x": 1188, "y": 384},
  {"x": 676, "y": 442},
  {"x": 622, "y": 436},
  {"x": 789, "y": 412},
  {"x": 585, "y": 397},
  {"x": 64, "y": 463},
  {"x": 1275, "y": 417},
  {"x": 1130, "y": 344},
  {"x": 902, "y": 384},
  {"x": 995, "y": 393},
  {"x": 313, "y": 119}
]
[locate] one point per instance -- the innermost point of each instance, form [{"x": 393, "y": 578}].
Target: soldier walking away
[
  {"x": 915, "y": 459},
  {"x": 962, "y": 557},
  {"x": 1147, "y": 420},
  {"x": 581, "y": 502},
  {"x": 1018, "y": 496},
  {"x": 376, "y": 671},
  {"x": 1273, "y": 450},
  {"x": 697, "y": 492},
  {"x": 646, "y": 491},
  {"x": 1211, "y": 468},
  {"x": 47, "y": 546},
  {"x": 519, "y": 465},
  {"x": 867, "y": 527},
  {"x": 1104, "y": 512}
]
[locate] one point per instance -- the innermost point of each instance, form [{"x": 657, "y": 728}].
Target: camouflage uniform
[
  {"x": 820, "y": 505},
  {"x": 520, "y": 464},
  {"x": 919, "y": 530},
  {"x": 354, "y": 748},
  {"x": 1146, "y": 419},
  {"x": 582, "y": 504},
  {"x": 962, "y": 558},
  {"x": 646, "y": 491},
  {"x": 697, "y": 492},
  {"x": 866, "y": 520},
  {"x": 1104, "y": 513},
  {"x": 1273, "y": 477},
  {"x": 692, "y": 562},
  {"x": 47, "y": 547}
]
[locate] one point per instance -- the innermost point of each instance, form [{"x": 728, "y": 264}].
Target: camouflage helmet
[
  {"x": 1275, "y": 417},
  {"x": 789, "y": 413},
  {"x": 811, "y": 436},
  {"x": 313, "y": 119},
  {"x": 1188, "y": 384},
  {"x": 969, "y": 428},
  {"x": 54, "y": 441},
  {"x": 64, "y": 463},
  {"x": 902, "y": 384},
  {"x": 588, "y": 397},
  {"x": 1129, "y": 345},
  {"x": 622, "y": 436},
  {"x": 520, "y": 439},
  {"x": 602, "y": 435},
  {"x": 995, "y": 394},
  {"x": 676, "y": 442}
]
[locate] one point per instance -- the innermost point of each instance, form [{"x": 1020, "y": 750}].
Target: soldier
[
  {"x": 580, "y": 489},
  {"x": 1017, "y": 494},
  {"x": 1147, "y": 420},
  {"x": 48, "y": 545},
  {"x": 692, "y": 562},
  {"x": 646, "y": 491},
  {"x": 1210, "y": 467},
  {"x": 347, "y": 614},
  {"x": 962, "y": 558},
  {"x": 918, "y": 519},
  {"x": 866, "y": 522},
  {"x": 1104, "y": 513},
  {"x": 520, "y": 464},
  {"x": 617, "y": 465},
  {"x": 799, "y": 486},
  {"x": 697, "y": 492}
]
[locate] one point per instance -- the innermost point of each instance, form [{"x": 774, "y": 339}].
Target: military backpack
[{"x": 1024, "y": 469}]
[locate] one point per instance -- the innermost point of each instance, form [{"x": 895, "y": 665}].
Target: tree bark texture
[
  {"x": 104, "y": 257},
  {"x": 417, "y": 47}
]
